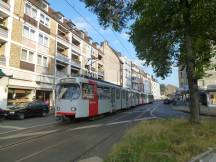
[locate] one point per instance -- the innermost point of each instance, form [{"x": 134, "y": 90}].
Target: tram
[{"x": 80, "y": 97}]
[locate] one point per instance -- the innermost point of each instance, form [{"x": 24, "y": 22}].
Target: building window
[
  {"x": 43, "y": 40},
  {"x": 24, "y": 55},
  {"x": 30, "y": 11},
  {"x": 27, "y": 56},
  {"x": 28, "y": 32},
  {"x": 44, "y": 20},
  {"x": 42, "y": 60},
  {"x": 44, "y": 6}
]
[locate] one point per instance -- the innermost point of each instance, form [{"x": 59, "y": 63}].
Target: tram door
[
  {"x": 127, "y": 99},
  {"x": 113, "y": 98}
]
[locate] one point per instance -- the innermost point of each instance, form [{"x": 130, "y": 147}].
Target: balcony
[
  {"x": 135, "y": 79},
  {"x": 76, "y": 63},
  {"x": 76, "y": 49},
  {"x": 76, "y": 45},
  {"x": 62, "y": 36},
  {"x": 3, "y": 32},
  {"x": 93, "y": 69},
  {"x": 4, "y": 8},
  {"x": 101, "y": 72},
  {"x": 62, "y": 58},
  {"x": 61, "y": 74},
  {"x": 44, "y": 79},
  {"x": 63, "y": 40},
  {"x": 2, "y": 60}
]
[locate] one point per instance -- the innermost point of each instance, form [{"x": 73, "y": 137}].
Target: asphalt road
[{"x": 45, "y": 139}]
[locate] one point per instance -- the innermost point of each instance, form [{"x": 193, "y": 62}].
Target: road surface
[{"x": 45, "y": 139}]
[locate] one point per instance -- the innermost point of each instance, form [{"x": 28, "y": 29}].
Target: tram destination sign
[{"x": 68, "y": 80}]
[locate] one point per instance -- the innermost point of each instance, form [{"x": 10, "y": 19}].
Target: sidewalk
[
  {"x": 204, "y": 110},
  {"x": 208, "y": 156}
]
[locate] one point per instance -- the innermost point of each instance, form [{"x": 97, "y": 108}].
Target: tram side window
[
  {"x": 123, "y": 94},
  {"x": 100, "y": 92},
  {"x": 117, "y": 94},
  {"x": 106, "y": 93},
  {"x": 87, "y": 91}
]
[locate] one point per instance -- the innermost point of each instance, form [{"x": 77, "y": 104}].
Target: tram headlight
[{"x": 73, "y": 108}]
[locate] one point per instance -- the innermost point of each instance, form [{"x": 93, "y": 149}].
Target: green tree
[{"x": 166, "y": 33}]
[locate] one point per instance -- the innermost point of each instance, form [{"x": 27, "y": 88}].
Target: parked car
[
  {"x": 24, "y": 110},
  {"x": 168, "y": 101},
  {"x": 3, "y": 114}
]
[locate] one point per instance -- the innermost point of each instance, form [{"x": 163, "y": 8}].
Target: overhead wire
[{"x": 96, "y": 30}]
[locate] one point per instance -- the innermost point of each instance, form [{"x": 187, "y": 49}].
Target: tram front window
[{"x": 69, "y": 92}]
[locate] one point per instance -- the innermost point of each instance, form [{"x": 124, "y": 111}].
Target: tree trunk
[
  {"x": 194, "y": 98},
  {"x": 190, "y": 65},
  {"x": 192, "y": 81}
]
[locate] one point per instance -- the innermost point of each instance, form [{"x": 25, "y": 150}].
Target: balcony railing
[
  {"x": 75, "y": 63},
  {"x": 100, "y": 72},
  {"x": 3, "y": 31},
  {"x": 76, "y": 49},
  {"x": 63, "y": 40},
  {"x": 135, "y": 79},
  {"x": 93, "y": 69},
  {"x": 62, "y": 58},
  {"x": 44, "y": 79},
  {"x": 4, "y": 5},
  {"x": 60, "y": 74},
  {"x": 2, "y": 60}
]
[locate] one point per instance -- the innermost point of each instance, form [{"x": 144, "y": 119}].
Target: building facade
[
  {"x": 126, "y": 72},
  {"x": 112, "y": 64},
  {"x": 38, "y": 46},
  {"x": 155, "y": 89}
]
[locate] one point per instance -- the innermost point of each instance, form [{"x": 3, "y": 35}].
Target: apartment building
[
  {"x": 136, "y": 77},
  {"x": 38, "y": 46},
  {"x": 206, "y": 84},
  {"x": 155, "y": 89},
  {"x": 126, "y": 72},
  {"x": 112, "y": 64}
]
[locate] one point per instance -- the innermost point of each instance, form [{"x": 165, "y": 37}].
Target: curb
[
  {"x": 201, "y": 113},
  {"x": 198, "y": 157}
]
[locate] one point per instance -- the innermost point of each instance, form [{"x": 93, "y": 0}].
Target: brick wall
[
  {"x": 15, "y": 56},
  {"x": 17, "y": 31}
]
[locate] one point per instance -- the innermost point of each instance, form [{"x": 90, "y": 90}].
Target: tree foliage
[
  {"x": 158, "y": 29},
  {"x": 166, "y": 33}
]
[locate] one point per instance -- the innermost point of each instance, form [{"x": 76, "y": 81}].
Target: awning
[{"x": 2, "y": 74}]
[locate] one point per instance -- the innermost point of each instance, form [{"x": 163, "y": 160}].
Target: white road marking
[
  {"x": 88, "y": 126},
  {"x": 28, "y": 134},
  {"x": 35, "y": 126},
  {"x": 112, "y": 123},
  {"x": 92, "y": 159},
  {"x": 11, "y": 127}
]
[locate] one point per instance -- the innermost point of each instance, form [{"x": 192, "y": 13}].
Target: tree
[{"x": 166, "y": 33}]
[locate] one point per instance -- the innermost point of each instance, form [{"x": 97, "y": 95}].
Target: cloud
[
  {"x": 104, "y": 31},
  {"x": 82, "y": 24},
  {"x": 124, "y": 35}
]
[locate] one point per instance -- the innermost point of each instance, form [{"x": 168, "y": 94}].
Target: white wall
[{"x": 3, "y": 92}]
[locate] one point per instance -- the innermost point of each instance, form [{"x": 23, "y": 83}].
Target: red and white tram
[{"x": 79, "y": 97}]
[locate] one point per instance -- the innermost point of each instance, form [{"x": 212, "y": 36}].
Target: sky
[{"x": 119, "y": 41}]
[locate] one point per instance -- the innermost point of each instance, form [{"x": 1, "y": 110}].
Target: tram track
[{"x": 62, "y": 130}]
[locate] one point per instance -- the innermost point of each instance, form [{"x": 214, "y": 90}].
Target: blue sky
[{"x": 126, "y": 49}]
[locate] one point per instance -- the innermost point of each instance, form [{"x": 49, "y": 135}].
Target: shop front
[
  {"x": 19, "y": 95},
  {"x": 45, "y": 96},
  {"x": 211, "y": 95},
  {"x": 212, "y": 98}
]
